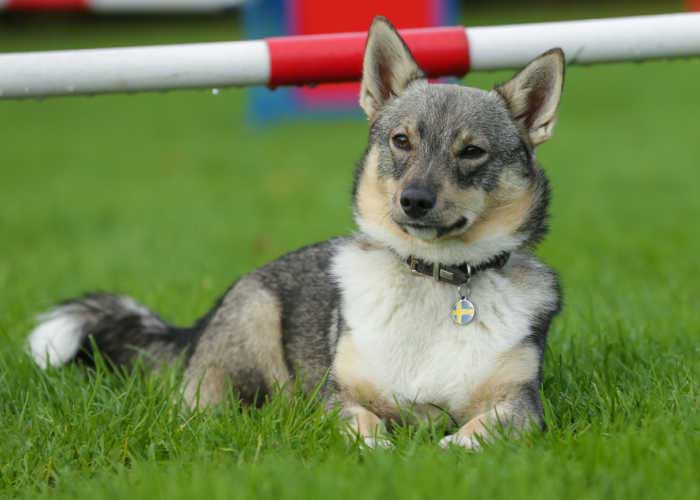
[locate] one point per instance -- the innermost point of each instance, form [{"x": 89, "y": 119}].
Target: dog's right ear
[{"x": 388, "y": 67}]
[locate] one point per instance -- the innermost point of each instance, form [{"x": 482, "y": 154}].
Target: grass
[{"x": 170, "y": 197}]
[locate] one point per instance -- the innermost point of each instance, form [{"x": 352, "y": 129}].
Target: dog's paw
[
  {"x": 377, "y": 442},
  {"x": 470, "y": 443}
]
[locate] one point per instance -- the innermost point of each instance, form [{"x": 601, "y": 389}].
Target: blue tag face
[{"x": 463, "y": 312}]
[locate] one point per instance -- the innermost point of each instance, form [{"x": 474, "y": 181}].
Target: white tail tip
[{"x": 57, "y": 338}]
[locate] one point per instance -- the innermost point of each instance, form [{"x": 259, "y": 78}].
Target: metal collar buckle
[
  {"x": 439, "y": 273},
  {"x": 413, "y": 264}
]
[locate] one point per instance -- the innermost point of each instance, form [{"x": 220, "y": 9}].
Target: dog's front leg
[
  {"x": 511, "y": 417},
  {"x": 365, "y": 424}
]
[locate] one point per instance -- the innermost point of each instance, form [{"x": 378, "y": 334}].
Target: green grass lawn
[{"x": 169, "y": 197}]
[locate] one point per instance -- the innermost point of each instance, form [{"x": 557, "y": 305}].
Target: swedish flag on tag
[{"x": 463, "y": 312}]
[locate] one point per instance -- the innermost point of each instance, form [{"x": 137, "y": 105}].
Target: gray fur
[{"x": 298, "y": 291}]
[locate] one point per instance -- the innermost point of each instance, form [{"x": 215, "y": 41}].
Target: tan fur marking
[
  {"x": 263, "y": 326},
  {"x": 506, "y": 210},
  {"x": 364, "y": 422},
  {"x": 409, "y": 127},
  {"x": 485, "y": 423},
  {"x": 208, "y": 390},
  {"x": 358, "y": 393},
  {"x": 513, "y": 369},
  {"x": 244, "y": 337},
  {"x": 348, "y": 373},
  {"x": 474, "y": 427},
  {"x": 469, "y": 200},
  {"x": 467, "y": 137},
  {"x": 375, "y": 195}
]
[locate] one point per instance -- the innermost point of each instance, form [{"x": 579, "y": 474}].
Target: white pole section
[
  {"x": 585, "y": 42},
  {"x": 165, "y": 67},
  {"x": 122, "y": 6},
  {"x": 161, "y": 6}
]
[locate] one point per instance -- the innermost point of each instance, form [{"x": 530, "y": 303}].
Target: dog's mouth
[{"x": 432, "y": 231}]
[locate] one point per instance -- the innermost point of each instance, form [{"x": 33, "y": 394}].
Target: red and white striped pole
[{"x": 338, "y": 57}]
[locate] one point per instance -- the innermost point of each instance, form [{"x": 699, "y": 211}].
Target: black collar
[{"x": 454, "y": 275}]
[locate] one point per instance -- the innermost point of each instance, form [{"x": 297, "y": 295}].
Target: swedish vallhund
[{"x": 435, "y": 307}]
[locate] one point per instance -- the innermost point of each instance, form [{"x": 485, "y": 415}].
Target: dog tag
[{"x": 463, "y": 312}]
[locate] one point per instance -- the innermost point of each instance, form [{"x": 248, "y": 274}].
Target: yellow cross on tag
[{"x": 463, "y": 312}]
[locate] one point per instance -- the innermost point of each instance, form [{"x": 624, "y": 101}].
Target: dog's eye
[
  {"x": 401, "y": 141},
  {"x": 471, "y": 152}
]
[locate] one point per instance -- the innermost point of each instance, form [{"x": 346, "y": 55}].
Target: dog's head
[{"x": 449, "y": 173}]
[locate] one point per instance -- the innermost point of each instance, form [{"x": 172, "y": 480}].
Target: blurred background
[{"x": 170, "y": 196}]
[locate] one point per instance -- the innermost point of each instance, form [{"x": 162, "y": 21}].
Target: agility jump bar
[{"x": 313, "y": 59}]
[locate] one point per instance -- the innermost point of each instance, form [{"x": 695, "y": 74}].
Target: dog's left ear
[
  {"x": 388, "y": 67},
  {"x": 533, "y": 95}
]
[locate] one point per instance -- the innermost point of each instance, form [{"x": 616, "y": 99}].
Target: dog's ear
[
  {"x": 388, "y": 67},
  {"x": 533, "y": 95}
]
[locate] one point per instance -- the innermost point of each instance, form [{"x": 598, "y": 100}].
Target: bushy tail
[{"x": 121, "y": 328}]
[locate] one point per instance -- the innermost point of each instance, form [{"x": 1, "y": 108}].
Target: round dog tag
[{"x": 463, "y": 311}]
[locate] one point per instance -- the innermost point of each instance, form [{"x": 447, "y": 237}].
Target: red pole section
[{"x": 308, "y": 59}]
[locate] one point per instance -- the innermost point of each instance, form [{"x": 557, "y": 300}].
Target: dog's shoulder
[
  {"x": 532, "y": 276},
  {"x": 541, "y": 286}
]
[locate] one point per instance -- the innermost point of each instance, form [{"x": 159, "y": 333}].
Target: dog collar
[{"x": 454, "y": 275}]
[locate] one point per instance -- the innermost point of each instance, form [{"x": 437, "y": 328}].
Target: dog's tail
[{"x": 121, "y": 328}]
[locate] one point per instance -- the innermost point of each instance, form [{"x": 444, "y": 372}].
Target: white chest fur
[{"x": 405, "y": 340}]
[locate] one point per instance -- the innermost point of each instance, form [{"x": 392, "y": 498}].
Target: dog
[{"x": 435, "y": 306}]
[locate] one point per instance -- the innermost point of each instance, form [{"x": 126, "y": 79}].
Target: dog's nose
[{"x": 417, "y": 201}]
